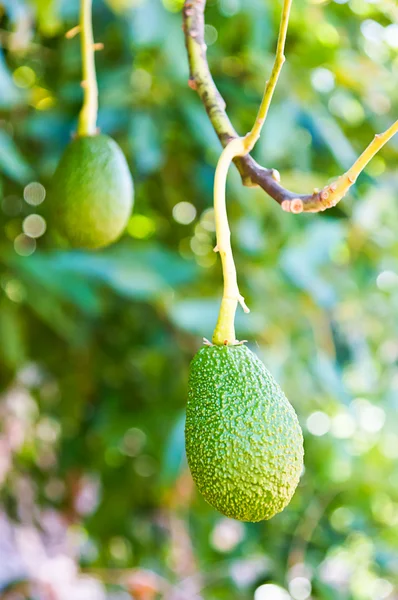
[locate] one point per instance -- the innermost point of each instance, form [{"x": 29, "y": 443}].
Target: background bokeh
[{"x": 96, "y": 500}]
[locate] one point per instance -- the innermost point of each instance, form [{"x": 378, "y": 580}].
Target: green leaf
[
  {"x": 12, "y": 163},
  {"x": 10, "y": 96},
  {"x": 11, "y": 335},
  {"x": 174, "y": 454}
]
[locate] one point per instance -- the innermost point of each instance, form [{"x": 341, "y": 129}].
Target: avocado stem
[
  {"x": 88, "y": 114},
  {"x": 224, "y": 332}
]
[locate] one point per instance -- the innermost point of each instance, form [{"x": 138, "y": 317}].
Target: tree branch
[{"x": 251, "y": 172}]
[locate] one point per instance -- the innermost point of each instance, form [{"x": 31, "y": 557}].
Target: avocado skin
[
  {"x": 243, "y": 440},
  {"x": 91, "y": 195}
]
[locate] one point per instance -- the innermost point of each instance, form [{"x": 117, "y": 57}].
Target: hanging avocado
[
  {"x": 243, "y": 440},
  {"x": 92, "y": 192},
  {"x": 91, "y": 195}
]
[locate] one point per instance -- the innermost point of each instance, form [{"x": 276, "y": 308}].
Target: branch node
[
  {"x": 296, "y": 206},
  {"x": 243, "y": 304},
  {"x": 192, "y": 84},
  {"x": 276, "y": 176},
  {"x": 98, "y": 46},
  {"x": 286, "y": 205},
  {"x": 324, "y": 194},
  {"x": 72, "y": 32}
]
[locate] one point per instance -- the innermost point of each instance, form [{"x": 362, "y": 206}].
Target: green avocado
[
  {"x": 243, "y": 440},
  {"x": 91, "y": 195}
]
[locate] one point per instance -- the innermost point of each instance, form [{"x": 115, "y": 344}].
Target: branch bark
[{"x": 251, "y": 172}]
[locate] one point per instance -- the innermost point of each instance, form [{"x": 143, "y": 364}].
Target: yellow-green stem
[
  {"x": 224, "y": 332},
  {"x": 252, "y": 137},
  {"x": 88, "y": 114},
  {"x": 337, "y": 190}
]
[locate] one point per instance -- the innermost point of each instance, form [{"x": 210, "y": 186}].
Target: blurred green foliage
[{"x": 95, "y": 348}]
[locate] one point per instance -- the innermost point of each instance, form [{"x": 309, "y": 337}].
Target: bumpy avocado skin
[
  {"x": 243, "y": 440},
  {"x": 91, "y": 196}
]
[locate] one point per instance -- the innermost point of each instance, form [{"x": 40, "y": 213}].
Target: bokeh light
[
  {"x": 34, "y": 226},
  {"x": 141, "y": 226},
  {"x": 24, "y": 76},
  {"x": 184, "y": 213},
  {"x": 24, "y": 245},
  {"x": 300, "y": 588},
  {"x": 270, "y": 591},
  {"x": 34, "y": 193},
  {"x": 318, "y": 423},
  {"x": 227, "y": 534}
]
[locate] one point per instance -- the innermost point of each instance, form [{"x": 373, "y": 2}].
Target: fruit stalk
[
  {"x": 88, "y": 114},
  {"x": 224, "y": 332}
]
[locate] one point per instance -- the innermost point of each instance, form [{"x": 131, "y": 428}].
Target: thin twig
[
  {"x": 251, "y": 172},
  {"x": 333, "y": 193},
  {"x": 88, "y": 115},
  {"x": 252, "y": 137}
]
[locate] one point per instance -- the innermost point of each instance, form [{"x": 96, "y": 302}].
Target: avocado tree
[{"x": 96, "y": 346}]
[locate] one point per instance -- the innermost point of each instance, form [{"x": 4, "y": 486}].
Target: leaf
[
  {"x": 12, "y": 163},
  {"x": 55, "y": 316},
  {"x": 333, "y": 136},
  {"x": 142, "y": 274},
  {"x": 302, "y": 260},
  {"x": 11, "y": 335},
  {"x": 10, "y": 96},
  {"x": 145, "y": 142},
  {"x": 48, "y": 16},
  {"x": 279, "y": 128},
  {"x": 174, "y": 454},
  {"x": 329, "y": 377},
  {"x": 199, "y": 125},
  {"x": 65, "y": 286},
  {"x": 153, "y": 13}
]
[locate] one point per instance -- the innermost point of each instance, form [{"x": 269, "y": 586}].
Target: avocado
[
  {"x": 91, "y": 195},
  {"x": 243, "y": 440}
]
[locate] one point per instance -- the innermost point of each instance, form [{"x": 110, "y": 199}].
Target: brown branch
[{"x": 251, "y": 172}]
